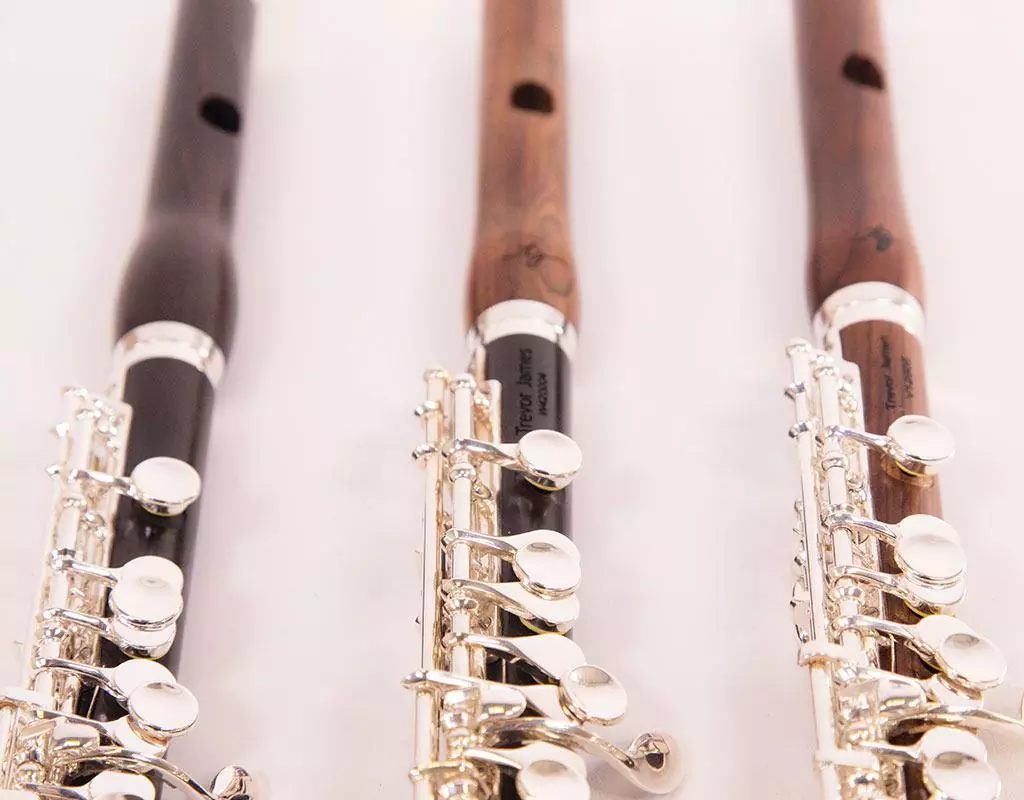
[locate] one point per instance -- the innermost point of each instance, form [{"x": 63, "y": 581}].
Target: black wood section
[
  {"x": 182, "y": 268},
  {"x": 534, "y": 377},
  {"x": 173, "y": 405},
  {"x": 182, "y": 271}
]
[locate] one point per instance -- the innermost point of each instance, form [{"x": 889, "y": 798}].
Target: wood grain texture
[
  {"x": 858, "y": 226},
  {"x": 893, "y": 384},
  {"x": 859, "y": 232},
  {"x": 522, "y": 249}
]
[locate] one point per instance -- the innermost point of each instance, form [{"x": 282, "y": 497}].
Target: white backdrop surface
[{"x": 353, "y": 235}]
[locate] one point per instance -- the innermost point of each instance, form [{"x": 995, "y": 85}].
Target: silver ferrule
[
  {"x": 870, "y": 301},
  {"x": 529, "y": 317},
  {"x": 166, "y": 339}
]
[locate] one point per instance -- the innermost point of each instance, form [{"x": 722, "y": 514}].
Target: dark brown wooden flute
[
  {"x": 179, "y": 286},
  {"x": 100, "y": 705},
  {"x": 883, "y": 572}
]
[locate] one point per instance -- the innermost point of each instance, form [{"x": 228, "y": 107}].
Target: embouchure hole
[
  {"x": 532, "y": 97},
  {"x": 863, "y": 71},
  {"x": 222, "y": 114}
]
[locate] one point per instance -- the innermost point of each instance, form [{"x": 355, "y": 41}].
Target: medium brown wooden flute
[
  {"x": 897, "y": 680},
  {"x": 503, "y": 693}
]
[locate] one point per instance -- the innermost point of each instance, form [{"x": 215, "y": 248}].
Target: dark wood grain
[
  {"x": 182, "y": 267},
  {"x": 893, "y": 384},
  {"x": 858, "y": 226},
  {"x": 859, "y": 232},
  {"x": 522, "y": 248}
]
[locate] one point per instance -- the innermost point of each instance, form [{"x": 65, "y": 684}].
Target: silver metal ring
[
  {"x": 167, "y": 339},
  {"x": 529, "y": 317},
  {"x": 869, "y": 301}
]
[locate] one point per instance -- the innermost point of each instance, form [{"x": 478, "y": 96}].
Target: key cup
[
  {"x": 147, "y": 594},
  {"x": 550, "y": 459}
]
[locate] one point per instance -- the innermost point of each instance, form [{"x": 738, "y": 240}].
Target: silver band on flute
[
  {"x": 870, "y": 301},
  {"x": 168, "y": 339},
  {"x": 530, "y": 317}
]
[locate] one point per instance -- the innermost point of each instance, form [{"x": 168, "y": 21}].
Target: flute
[
  {"x": 503, "y": 693},
  {"x": 99, "y": 704},
  {"x": 898, "y": 683}
]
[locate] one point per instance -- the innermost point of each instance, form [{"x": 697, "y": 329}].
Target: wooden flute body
[
  {"x": 99, "y": 705},
  {"x": 522, "y": 250},
  {"x": 500, "y": 566},
  {"x": 178, "y": 290},
  {"x": 870, "y": 501}
]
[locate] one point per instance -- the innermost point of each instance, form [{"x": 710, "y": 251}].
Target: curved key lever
[
  {"x": 158, "y": 711},
  {"x": 919, "y": 445},
  {"x": 584, "y": 694},
  {"x": 547, "y": 562},
  {"x": 948, "y": 644},
  {"x": 921, "y": 598},
  {"x": 494, "y": 700},
  {"x": 652, "y": 762},
  {"x": 548, "y": 459},
  {"x": 105, "y": 786},
  {"x": 543, "y": 771},
  {"x": 134, "y": 641},
  {"x": 513, "y": 597},
  {"x": 927, "y": 549},
  {"x": 145, "y": 593},
  {"x": 954, "y": 763},
  {"x": 231, "y": 783},
  {"x": 120, "y": 681},
  {"x": 551, "y": 653},
  {"x": 161, "y": 485}
]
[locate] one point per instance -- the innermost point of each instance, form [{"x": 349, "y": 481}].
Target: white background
[{"x": 353, "y": 234}]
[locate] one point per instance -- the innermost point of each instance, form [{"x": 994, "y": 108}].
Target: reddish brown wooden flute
[
  {"x": 897, "y": 680},
  {"x": 503, "y": 692}
]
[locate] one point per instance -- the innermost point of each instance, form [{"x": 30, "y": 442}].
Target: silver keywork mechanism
[
  {"x": 46, "y": 749},
  {"x": 860, "y": 708},
  {"x": 471, "y": 731}
]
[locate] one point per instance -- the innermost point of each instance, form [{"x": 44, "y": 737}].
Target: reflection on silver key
[
  {"x": 163, "y": 709},
  {"x": 560, "y": 613},
  {"x": 161, "y": 485},
  {"x": 548, "y": 459},
  {"x": 919, "y": 445},
  {"x": 927, "y": 549},
  {"x": 476, "y": 736},
  {"x": 851, "y": 642},
  {"x": 949, "y": 644},
  {"x": 547, "y": 562}
]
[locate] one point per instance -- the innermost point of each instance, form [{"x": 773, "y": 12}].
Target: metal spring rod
[
  {"x": 462, "y": 475},
  {"x": 821, "y": 679},
  {"x": 425, "y": 746},
  {"x": 833, "y": 459}
]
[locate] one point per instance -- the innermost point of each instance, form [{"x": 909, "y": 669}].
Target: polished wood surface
[
  {"x": 859, "y": 232},
  {"x": 893, "y": 384},
  {"x": 858, "y": 226},
  {"x": 522, "y": 249}
]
